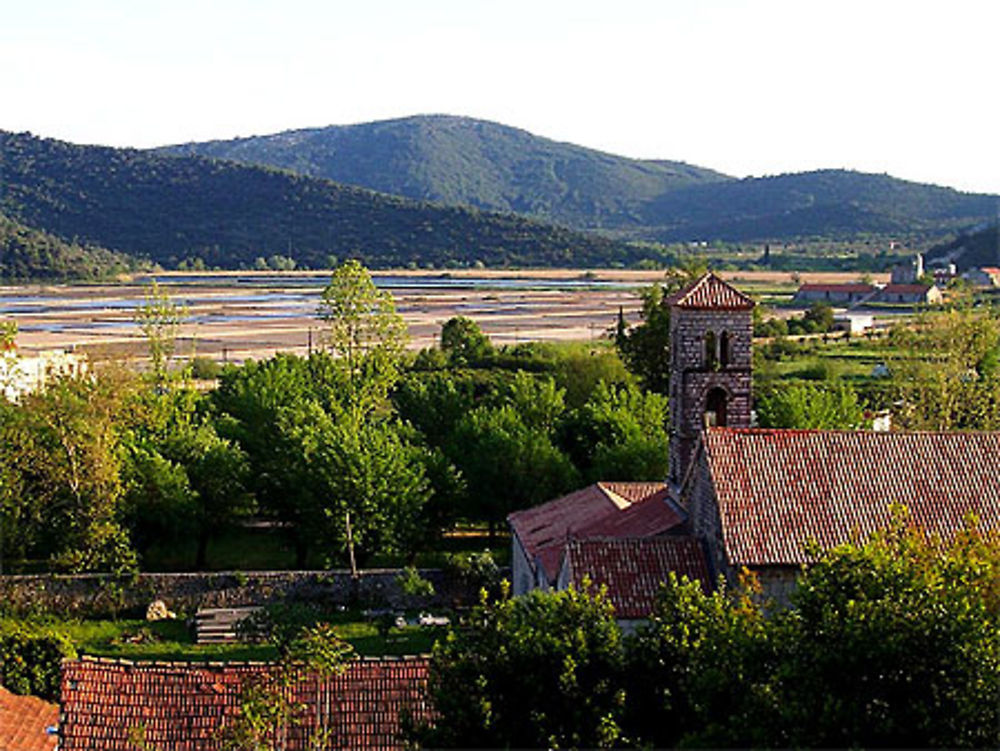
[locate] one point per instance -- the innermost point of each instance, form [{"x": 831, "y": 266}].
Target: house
[
  {"x": 23, "y": 375},
  {"x": 605, "y": 509},
  {"x": 853, "y": 323},
  {"x": 27, "y": 723},
  {"x": 987, "y": 276},
  {"x": 181, "y": 705},
  {"x": 845, "y": 294},
  {"x": 907, "y": 272},
  {"x": 757, "y": 497},
  {"x": 908, "y": 294}
]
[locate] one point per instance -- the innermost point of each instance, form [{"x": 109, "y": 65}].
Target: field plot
[{"x": 235, "y": 316}]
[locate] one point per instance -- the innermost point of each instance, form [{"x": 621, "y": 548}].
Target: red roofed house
[
  {"x": 848, "y": 293},
  {"x": 605, "y": 509},
  {"x": 27, "y": 723},
  {"x": 183, "y": 706},
  {"x": 908, "y": 294}
]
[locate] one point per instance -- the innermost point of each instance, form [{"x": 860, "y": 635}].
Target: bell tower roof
[{"x": 709, "y": 292}]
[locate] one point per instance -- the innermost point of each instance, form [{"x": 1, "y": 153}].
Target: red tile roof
[
  {"x": 633, "y": 569},
  {"x": 182, "y": 706},
  {"x": 602, "y": 509},
  {"x": 776, "y": 489},
  {"x": 23, "y": 723},
  {"x": 710, "y": 293}
]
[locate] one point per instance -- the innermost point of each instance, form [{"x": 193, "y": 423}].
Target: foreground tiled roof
[
  {"x": 633, "y": 569},
  {"x": 776, "y": 489},
  {"x": 182, "y": 706},
  {"x": 710, "y": 292},
  {"x": 604, "y": 509},
  {"x": 24, "y": 721}
]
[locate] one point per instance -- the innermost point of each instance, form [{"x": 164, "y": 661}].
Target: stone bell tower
[{"x": 711, "y": 327}]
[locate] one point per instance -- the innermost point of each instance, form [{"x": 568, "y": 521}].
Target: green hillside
[
  {"x": 459, "y": 160},
  {"x": 830, "y": 203},
  {"x": 27, "y": 253},
  {"x": 967, "y": 251},
  {"x": 174, "y": 208}
]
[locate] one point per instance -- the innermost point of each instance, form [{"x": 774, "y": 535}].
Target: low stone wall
[{"x": 96, "y": 594}]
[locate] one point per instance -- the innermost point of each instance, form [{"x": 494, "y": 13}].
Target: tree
[
  {"x": 893, "y": 643},
  {"x": 364, "y": 333},
  {"x": 948, "y": 374},
  {"x": 159, "y": 319},
  {"x": 805, "y": 406},
  {"x": 539, "y": 671},
  {"x": 619, "y": 434},
  {"x": 506, "y": 464},
  {"x": 464, "y": 342}
]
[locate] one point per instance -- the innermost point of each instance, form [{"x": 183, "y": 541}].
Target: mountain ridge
[{"x": 463, "y": 161}]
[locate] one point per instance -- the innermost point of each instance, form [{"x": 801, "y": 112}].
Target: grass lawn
[{"x": 172, "y": 640}]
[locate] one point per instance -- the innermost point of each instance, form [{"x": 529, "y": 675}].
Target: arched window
[
  {"x": 724, "y": 349},
  {"x": 715, "y": 408},
  {"x": 710, "y": 355}
]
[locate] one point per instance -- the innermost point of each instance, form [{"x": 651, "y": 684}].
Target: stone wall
[{"x": 96, "y": 594}]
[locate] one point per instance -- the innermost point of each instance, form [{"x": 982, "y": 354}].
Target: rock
[
  {"x": 426, "y": 619},
  {"x": 157, "y": 611}
]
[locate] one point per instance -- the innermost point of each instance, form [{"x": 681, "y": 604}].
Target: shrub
[{"x": 30, "y": 660}]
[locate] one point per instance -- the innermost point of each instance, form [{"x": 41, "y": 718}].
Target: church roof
[
  {"x": 710, "y": 292},
  {"x": 633, "y": 569},
  {"x": 777, "y": 489},
  {"x": 604, "y": 509}
]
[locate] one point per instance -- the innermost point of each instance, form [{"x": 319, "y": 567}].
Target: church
[{"x": 738, "y": 497}]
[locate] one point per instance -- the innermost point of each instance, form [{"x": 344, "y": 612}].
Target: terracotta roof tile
[
  {"x": 181, "y": 706},
  {"x": 24, "y": 721},
  {"x": 710, "y": 292},
  {"x": 602, "y": 509},
  {"x": 633, "y": 569},
  {"x": 776, "y": 489}
]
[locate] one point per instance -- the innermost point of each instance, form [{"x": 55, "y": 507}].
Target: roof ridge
[
  {"x": 710, "y": 291},
  {"x": 130, "y": 662}
]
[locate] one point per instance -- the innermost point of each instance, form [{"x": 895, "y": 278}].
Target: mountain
[
  {"x": 831, "y": 203},
  {"x": 169, "y": 209},
  {"x": 461, "y": 161},
  {"x": 971, "y": 250},
  {"x": 27, "y": 253}
]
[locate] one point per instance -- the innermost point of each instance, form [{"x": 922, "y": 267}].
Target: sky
[{"x": 745, "y": 87}]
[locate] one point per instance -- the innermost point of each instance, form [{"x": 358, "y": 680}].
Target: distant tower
[{"x": 711, "y": 327}]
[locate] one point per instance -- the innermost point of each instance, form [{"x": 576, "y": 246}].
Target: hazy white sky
[{"x": 761, "y": 87}]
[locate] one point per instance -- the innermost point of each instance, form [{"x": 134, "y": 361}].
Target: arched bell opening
[{"x": 715, "y": 408}]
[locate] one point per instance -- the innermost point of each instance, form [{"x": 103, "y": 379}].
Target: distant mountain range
[
  {"x": 456, "y": 160},
  {"x": 170, "y": 209},
  {"x": 429, "y": 190}
]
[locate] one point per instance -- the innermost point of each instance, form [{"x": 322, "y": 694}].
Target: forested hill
[
  {"x": 979, "y": 248},
  {"x": 174, "y": 208},
  {"x": 459, "y": 160},
  {"x": 830, "y": 203},
  {"x": 27, "y": 253}
]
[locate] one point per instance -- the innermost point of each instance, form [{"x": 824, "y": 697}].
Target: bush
[{"x": 30, "y": 661}]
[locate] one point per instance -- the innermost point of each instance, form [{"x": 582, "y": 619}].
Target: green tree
[
  {"x": 835, "y": 407},
  {"x": 619, "y": 434},
  {"x": 365, "y": 334},
  {"x": 893, "y": 643},
  {"x": 539, "y": 671},
  {"x": 464, "y": 342},
  {"x": 159, "y": 319}
]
